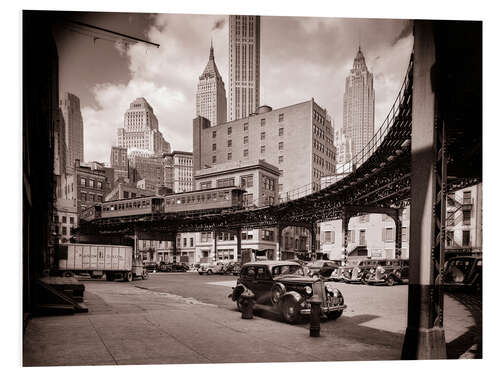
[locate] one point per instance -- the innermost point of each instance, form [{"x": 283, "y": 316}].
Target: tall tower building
[
  {"x": 140, "y": 129},
  {"x": 244, "y": 66},
  {"x": 211, "y": 100},
  {"x": 70, "y": 108},
  {"x": 359, "y": 103}
]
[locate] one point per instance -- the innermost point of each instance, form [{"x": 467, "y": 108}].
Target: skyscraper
[
  {"x": 140, "y": 129},
  {"x": 211, "y": 100},
  {"x": 244, "y": 66},
  {"x": 359, "y": 103},
  {"x": 70, "y": 107}
]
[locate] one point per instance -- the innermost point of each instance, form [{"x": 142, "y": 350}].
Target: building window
[
  {"x": 263, "y": 135},
  {"x": 267, "y": 235},
  {"x": 229, "y": 156},
  {"x": 362, "y": 237},
  {"x": 328, "y": 236},
  {"x": 262, "y": 121},
  {"x": 280, "y": 131},
  {"x": 84, "y": 196},
  {"x": 191, "y": 242},
  {"x": 245, "y": 139},
  {"x": 214, "y": 134},
  {"x": 404, "y": 234},
  {"x": 466, "y": 217},
  {"x": 71, "y": 220},
  {"x": 214, "y": 147},
  {"x": 224, "y": 182},
  {"x": 388, "y": 234},
  {"x": 451, "y": 200},
  {"x": 350, "y": 236},
  {"x": 245, "y": 126},
  {"x": 245, "y": 152},
  {"x": 449, "y": 238},
  {"x": 184, "y": 242},
  {"x": 467, "y": 197},
  {"x": 280, "y": 146},
  {"x": 262, "y": 149},
  {"x": 280, "y": 159},
  {"x": 91, "y": 183},
  {"x": 465, "y": 238},
  {"x": 82, "y": 181},
  {"x": 248, "y": 200},
  {"x": 246, "y": 181},
  {"x": 229, "y": 130},
  {"x": 214, "y": 159},
  {"x": 99, "y": 184},
  {"x": 206, "y": 185},
  {"x": 64, "y": 230},
  {"x": 64, "y": 219},
  {"x": 281, "y": 117},
  {"x": 229, "y": 143}
]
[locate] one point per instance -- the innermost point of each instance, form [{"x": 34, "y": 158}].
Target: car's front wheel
[
  {"x": 290, "y": 311},
  {"x": 390, "y": 281},
  {"x": 209, "y": 272},
  {"x": 333, "y": 315}
]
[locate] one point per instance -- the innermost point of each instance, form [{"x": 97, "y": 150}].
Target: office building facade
[
  {"x": 211, "y": 100},
  {"x": 359, "y": 105},
  {"x": 73, "y": 122},
  {"x": 140, "y": 130},
  {"x": 244, "y": 66}
]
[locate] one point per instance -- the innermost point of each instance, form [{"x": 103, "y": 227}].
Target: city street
[{"x": 188, "y": 318}]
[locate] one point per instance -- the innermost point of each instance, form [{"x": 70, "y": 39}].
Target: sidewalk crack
[{"x": 103, "y": 343}]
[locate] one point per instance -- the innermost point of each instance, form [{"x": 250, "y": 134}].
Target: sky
[{"x": 301, "y": 58}]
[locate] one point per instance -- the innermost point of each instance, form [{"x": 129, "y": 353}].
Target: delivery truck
[{"x": 111, "y": 260}]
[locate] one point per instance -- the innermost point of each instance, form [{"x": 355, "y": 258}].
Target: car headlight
[
  {"x": 329, "y": 289},
  {"x": 308, "y": 290},
  {"x": 336, "y": 293}
]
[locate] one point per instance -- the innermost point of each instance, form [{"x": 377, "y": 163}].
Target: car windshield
[{"x": 288, "y": 270}]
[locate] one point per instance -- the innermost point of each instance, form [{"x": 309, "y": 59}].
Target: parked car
[
  {"x": 232, "y": 268},
  {"x": 322, "y": 267},
  {"x": 286, "y": 287},
  {"x": 464, "y": 272},
  {"x": 212, "y": 268},
  {"x": 151, "y": 266},
  {"x": 173, "y": 267},
  {"x": 356, "y": 273},
  {"x": 388, "y": 272}
]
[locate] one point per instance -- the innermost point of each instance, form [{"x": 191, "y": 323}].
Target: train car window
[
  {"x": 226, "y": 195},
  {"x": 214, "y": 196}
]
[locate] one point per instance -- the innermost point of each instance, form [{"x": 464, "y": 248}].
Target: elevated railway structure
[{"x": 429, "y": 144}]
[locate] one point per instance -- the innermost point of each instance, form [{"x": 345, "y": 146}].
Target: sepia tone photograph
[{"x": 233, "y": 188}]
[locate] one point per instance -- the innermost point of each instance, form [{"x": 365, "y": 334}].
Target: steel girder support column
[
  {"x": 215, "y": 245},
  {"x": 174, "y": 247},
  {"x": 238, "y": 243},
  {"x": 345, "y": 232},
  {"x": 424, "y": 337},
  {"x": 279, "y": 244},
  {"x": 313, "y": 229},
  {"x": 399, "y": 237}
]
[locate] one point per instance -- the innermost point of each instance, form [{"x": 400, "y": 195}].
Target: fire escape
[{"x": 455, "y": 216}]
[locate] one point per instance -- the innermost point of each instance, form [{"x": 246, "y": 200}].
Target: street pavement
[{"x": 187, "y": 318}]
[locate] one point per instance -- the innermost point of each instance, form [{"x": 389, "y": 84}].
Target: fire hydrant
[
  {"x": 247, "y": 302},
  {"x": 314, "y": 329}
]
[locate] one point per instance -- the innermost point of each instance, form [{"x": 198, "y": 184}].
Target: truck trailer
[{"x": 111, "y": 260}]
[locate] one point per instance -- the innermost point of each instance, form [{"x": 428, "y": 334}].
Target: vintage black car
[
  {"x": 173, "y": 267},
  {"x": 464, "y": 272},
  {"x": 356, "y": 273},
  {"x": 388, "y": 272},
  {"x": 285, "y": 286},
  {"x": 322, "y": 268}
]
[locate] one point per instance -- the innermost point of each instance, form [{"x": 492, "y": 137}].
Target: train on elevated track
[{"x": 207, "y": 200}]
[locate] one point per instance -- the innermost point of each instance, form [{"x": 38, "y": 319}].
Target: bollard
[
  {"x": 247, "y": 299},
  {"x": 314, "y": 329}
]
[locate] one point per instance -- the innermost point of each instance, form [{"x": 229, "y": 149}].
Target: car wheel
[
  {"x": 364, "y": 279},
  {"x": 209, "y": 272},
  {"x": 290, "y": 311},
  {"x": 127, "y": 276},
  {"x": 390, "y": 281},
  {"x": 145, "y": 275},
  {"x": 333, "y": 315}
]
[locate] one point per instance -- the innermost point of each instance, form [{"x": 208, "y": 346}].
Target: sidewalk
[{"x": 160, "y": 328}]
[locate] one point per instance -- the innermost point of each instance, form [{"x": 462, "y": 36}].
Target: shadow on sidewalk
[{"x": 474, "y": 334}]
